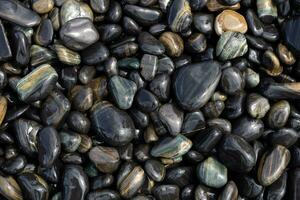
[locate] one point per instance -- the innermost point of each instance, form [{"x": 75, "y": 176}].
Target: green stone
[
  {"x": 231, "y": 45},
  {"x": 129, "y": 63},
  {"x": 123, "y": 91},
  {"x": 172, "y": 147},
  {"x": 212, "y": 173}
]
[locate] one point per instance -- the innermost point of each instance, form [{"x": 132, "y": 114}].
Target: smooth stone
[
  {"x": 114, "y": 13},
  {"x": 149, "y": 44},
  {"x": 81, "y": 97},
  {"x": 72, "y": 158},
  {"x": 203, "y": 192},
  {"x": 257, "y": 105},
  {"x": 223, "y": 124},
  {"x": 232, "y": 81},
  {"x": 44, "y": 33},
  {"x": 103, "y": 194},
  {"x": 229, "y": 20},
  {"x": 214, "y": 5},
  {"x": 5, "y": 52},
  {"x": 100, "y": 6},
  {"x": 146, "y": 101},
  {"x": 42, "y": 6},
  {"x": 285, "y": 137},
  {"x": 231, "y": 2},
  {"x": 37, "y": 84},
  {"x": 72, "y": 9},
  {"x": 55, "y": 18},
  {"x": 204, "y": 78},
  {"x": 212, "y": 173},
  {"x": 207, "y": 139},
  {"x": 165, "y": 65},
  {"x": 148, "y": 66},
  {"x": 140, "y": 119},
  {"x": 75, "y": 183},
  {"x": 86, "y": 74},
  {"x": 272, "y": 165},
  {"x": 289, "y": 33},
  {"x": 33, "y": 186},
  {"x": 130, "y": 26},
  {"x": 157, "y": 29},
  {"x": 106, "y": 159},
  {"x": 26, "y": 135},
  {"x": 254, "y": 56},
  {"x": 125, "y": 50},
  {"x": 276, "y": 91},
  {"x": 266, "y": 10},
  {"x": 293, "y": 184},
  {"x": 173, "y": 43},
  {"x": 78, "y": 122},
  {"x": 109, "y": 32},
  {"x": 70, "y": 141},
  {"x": 231, "y": 45},
  {"x": 71, "y": 33},
  {"x": 155, "y": 170},
  {"x": 160, "y": 86},
  {"x": 285, "y": 55},
  {"x": 3, "y": 108},
  {"x": 257, "y": 42},
  {"x": 166, "y": 192},
  {"x": 130, "y": 179},
  {"x": 143, "y": 15},
  {"x": 14, "y": 165},
  {"x": 113, "y": 125},
  {"x": 278, "y": 189},
  {"x": 129, "y": 63},
  {"x": 171, "y": 147},
  {"x": 123, "y": 91},
  {"x": 248, "y": 187},
  {"x": 197, "y": 5},
  {"x": 48, "y": 146},
  {"x": 180, "y": 176},
  {"x": 235, "y": 105},
  {"x": 179, "y": 15},
  {"x": 204, "y": 22},
  {"x": 270, "y": 33},
  {"x": 94, "y": 54},
  {"x": 40, "y": 55},
  {"x": 278, "y": 114},
  {"x": 20, "y": 48},
  {"x": 196, "y": 43},
  {"x": 102, "y": 181},
  {"x": 230, "y": 192},
  {"x": 236, "y": 153},
  {"x": 52, "y": 173},
  {"x": 193, "y": 122},
  {"x": 171, "y": 117},
  {"x": 69, "y": 77},
  {"x": 141, "y": 152},
  {"x": 9, "y": 188},
  {"x": 136, "y": 77},
  {"x": 16, "y": 12},
  {"x": 271, "y": 63},
  {"x": 248, "y": 128},
  {"x": 55, "y": 109}
]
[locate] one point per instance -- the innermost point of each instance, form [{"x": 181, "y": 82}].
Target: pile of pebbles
[{"x": 149, "y": 99}]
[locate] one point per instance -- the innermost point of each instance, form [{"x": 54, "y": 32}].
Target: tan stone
[
  {"x": 229, "y": 20},
  {"x": 3, "y": 108},
  {"x": 42, "y": 6},
  {"x": 214, "y": 5}
]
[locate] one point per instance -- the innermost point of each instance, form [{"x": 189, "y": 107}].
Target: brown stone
[
  {"x": 173, "y": 43},
  {"x": 229, "y": 20},
  {"x": 42, "y": 6},
  {"x": 214, "y": 5},
  {"x": 285, "y": 55}
]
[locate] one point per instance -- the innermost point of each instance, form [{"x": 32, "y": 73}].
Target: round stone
[{"x": 229, "y": 20}]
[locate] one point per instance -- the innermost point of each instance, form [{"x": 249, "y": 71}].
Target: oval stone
[
  {"x": 272, "y": 165},
  {"x": 113, "y": 125},
  {"x": 194, "y": 84}
]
